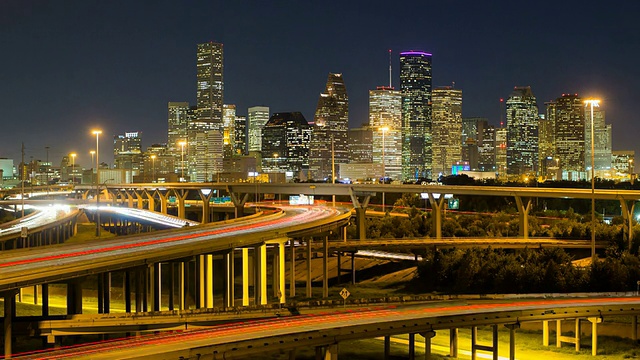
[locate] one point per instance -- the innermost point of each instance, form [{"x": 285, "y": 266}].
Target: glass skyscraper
[
  {"x": 385, "y": 119},
  {"x": 415, "y": 86},
  {"x": 447, "y": 129},
  {"x": 331, "y": 126},
  {"x": 522, "y": 132}
]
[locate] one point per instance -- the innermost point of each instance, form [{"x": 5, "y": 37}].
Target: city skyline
[{"x": 120, "y": 78}]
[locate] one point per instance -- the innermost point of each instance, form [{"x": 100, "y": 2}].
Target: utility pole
[{"x": 22, "y": 175}]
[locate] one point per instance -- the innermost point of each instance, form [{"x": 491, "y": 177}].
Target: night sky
[{"x": 67, "y": 66}]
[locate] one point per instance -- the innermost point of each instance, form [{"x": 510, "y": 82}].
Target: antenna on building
[{"x": 390, "y": 85}]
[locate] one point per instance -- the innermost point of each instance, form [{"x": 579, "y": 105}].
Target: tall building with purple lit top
[{"x": 415, "y": 86}]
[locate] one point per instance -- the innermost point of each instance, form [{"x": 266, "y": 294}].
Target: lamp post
[
  {"x": 591, "y": 103},
  {"x": 97, "y": 134},
  {"x": 153, "y": 173},
  {"x": 182, "y": 144},
  {"x": 73, "y": 167},
  {"x": 384, "y": 130}
]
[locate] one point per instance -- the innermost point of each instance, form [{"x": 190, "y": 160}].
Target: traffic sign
[
  {"x": 345, "y": 293},
  {"x": 24, "y": 232}
]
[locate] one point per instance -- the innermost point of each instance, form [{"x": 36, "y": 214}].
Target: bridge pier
[
  {"x": 453, "y": 343},
  {"x": 594, "y": 320},
  {"x": 475, "y": 346},
  {"x": 361, "y": 208},
  {"x": 245, "y": 277},
  {"x": 523, "y": 211},
  {"x": 206, "y": 207},
  {"x": 412, "y": 346},
  {"x": 74, "y": 297},
  {"x": 325, "y": 268},
  {"x": 9, "y": 298},
  {"x": 181, "y": 196},
  {"x": 151, "y": 201},
  {"x": 437, "y": 205},
  {"x": 308, "y": 259},
  {"x": 238, "y": 201},
  {"x": 627, "y": 207},
  {"x": 567, "y": 339},
  {"x": 164, "y": 201},
  {"x": 512, "y": 339},
  {"x": 428, "y": 335},
  {"x": 292, "y": 269},
  {"x": 260, "y": 274},
  {"x": 229, "y": 293}
]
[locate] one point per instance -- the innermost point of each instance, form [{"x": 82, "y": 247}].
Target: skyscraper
[
  {"x": 178, "y": 124},
  {"x": 229, "y": 129},
  {"x": 567, "y": 114},
  {"x": 602, "y": 145},
  {"x": 210, "y": 89},
  {"x": 330, "y": 130},
  {"x": 257, "y": 119},
  {"x": 522, "y": 132},
  {"x": 127, "y": 150},
  {"x": 385, "y": 119},
  {"x": 286, "y": 144},
  {"x": 446, "y": 129},
  {"x": 501, "y": 152},
  {"x": 205, "y": 134},
  {"x": 361, "y": 144},
  {"x": 240, "y": 147},
  {"x": 415, "y": 85}
]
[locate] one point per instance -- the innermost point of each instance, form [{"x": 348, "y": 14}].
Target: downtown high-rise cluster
[{"x": 416, "y": 133}]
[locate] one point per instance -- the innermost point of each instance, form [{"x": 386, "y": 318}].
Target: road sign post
[{"x": 345, "y": 294}]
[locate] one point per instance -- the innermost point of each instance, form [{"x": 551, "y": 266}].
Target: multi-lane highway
[
  {"x": 250, "y": 338},
  {"x": 24, "y": 268}
]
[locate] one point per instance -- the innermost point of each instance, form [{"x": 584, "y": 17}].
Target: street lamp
[
  {"x": 153, "y": 173},
  {"x": 97, "y": 134},
  {"x": 182, "y": 144},
  {"x": 591, "y": 103},
  {"x": 73, "y": 167},
  {"x": 384, "y": 130}
]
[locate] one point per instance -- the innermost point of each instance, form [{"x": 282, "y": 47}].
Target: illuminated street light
[
  {"x": 384, "y": 130},
  {"x": 182, "y": 144},
  {"x": 153, "y": 173},
  {"x": 97, "y": 134},
  {"x": 591, "y": 103},
  {"x": 73, "y": 167}
]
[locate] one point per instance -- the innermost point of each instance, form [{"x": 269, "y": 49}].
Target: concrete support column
[
  {"x": 325, "y": 268},
  {"x": 129, "y": 198},
  {"x": 164, "y": 201},
  {"x": 578, "y": 336},
  {"x": 361, "y": 208},
  {"x": 45, "y": 300},
  {"x": 138, "y": 288},
  {"x": 74, "y": 297},
  {"x": 238, "y": 201},
  {"x": 206, "y": 206},
  {"x": 387, "y": 347},
  {"x": 261, "y": 277},
  {"x": 512, "y": 339},
  {"x": 151, "y": 200},
  {"x": 155, "y": 289},
  {"x": 106, "y": 288},
  {"x": 292, "y": 269},
  {"x": 627, "y": 207},
  {"x": 308, "y": 258},
  {"x": 229, "y": 294},
  {"x": 182, "y": 285},
  {"x": 558, "y": 333},
  {"x": 412, "y": 346},
  {"x": 281, "y": 274},
  {"x": 201, "y": 281},
  {"x": 127, "y": 291},
  {"x": 181, "y": 197},
  {"x": 331, "y": 352},
  {"x": 493, "y": 349},
  {"x": 245, "y": 277},
  {"x": 634, "y": 328},
  {"x": 545, "y": 332},
  {"x": 172, "y": 285},
  {"x": 139, "y": 199},
  {"x": 437, "y": 206},
  {"x": 9, "y": 315},
  {"x": 353, "y": 268},
  {"x": 209, "y": 280},
  {"x": 523, "y": 212},
  {"x": 453, "y": 343},
  {"x": 595, "y": 320},
  {"x": 428, "y": 335}
]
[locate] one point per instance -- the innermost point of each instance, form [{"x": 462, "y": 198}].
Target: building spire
[{"x": 390, "y": 85}]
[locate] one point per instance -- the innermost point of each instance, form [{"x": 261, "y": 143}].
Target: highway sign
[
  {"x": 24, "y": 232},
  {"x": 345, "y": 293}
]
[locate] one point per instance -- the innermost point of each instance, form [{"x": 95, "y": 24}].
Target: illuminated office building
[
  {"x": 329, "y": 139},
  {"x": 446, "y": 114},
  {"x": 602, "y": 134},
  {"x": 567, "y": 114},
  {"x": 385, "y": 121},
  {"x": 522, "y": 133},
  {"x": 257, "y": 119},
  {"x": 229, "y": 129},
  {"x": 415, "y": 86},
  {"x": 286, "y": 144},
  {"x": 361, "y": 144},
  {"x": 240, "y": 147}
]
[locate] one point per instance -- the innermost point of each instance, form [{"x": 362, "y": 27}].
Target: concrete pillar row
[
  {"x": 9, "y": 298},
  {"x": 292, "y": 269},
  {"x": 523, "y": 211},
  {"x": 238, "y": 201},
  {"x": 361, "y": 208},
  {"x": 245, "y": 277},
  {"x": 164, "y": 200}
]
